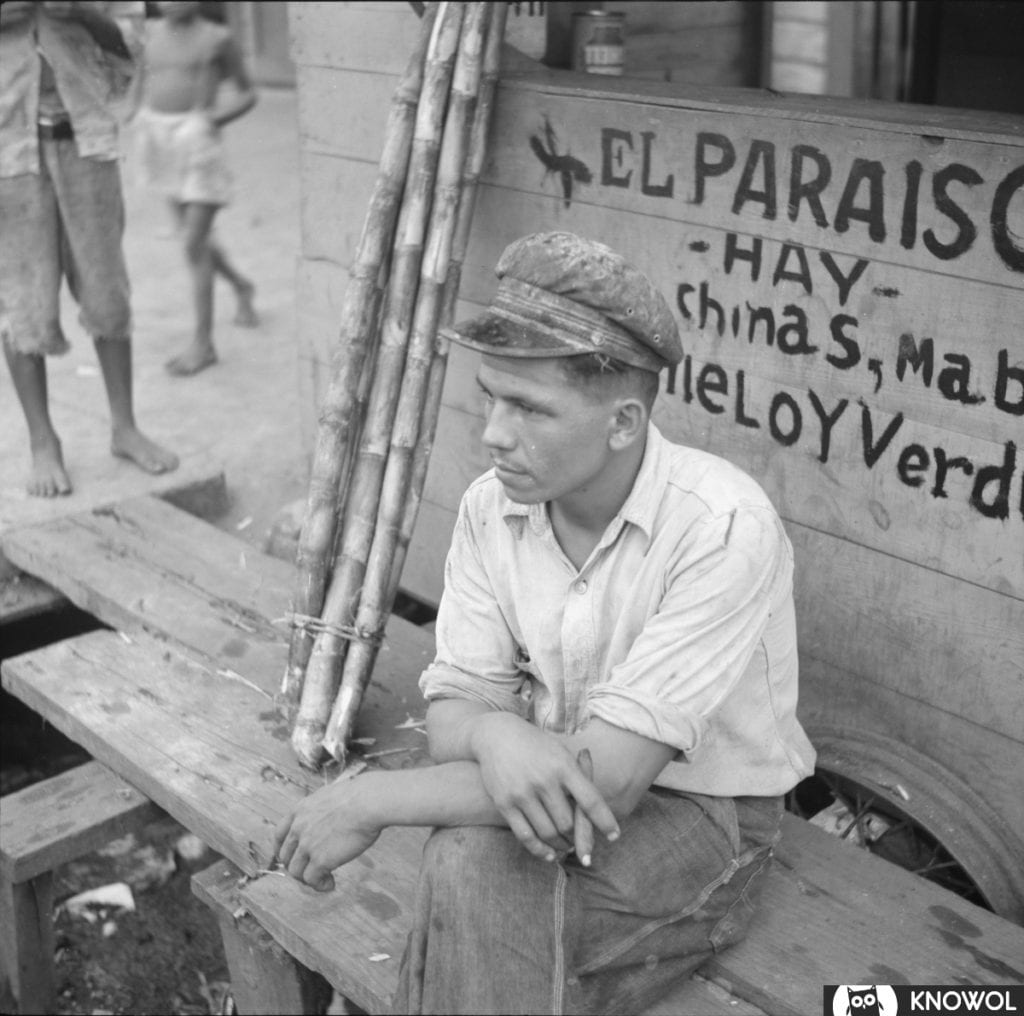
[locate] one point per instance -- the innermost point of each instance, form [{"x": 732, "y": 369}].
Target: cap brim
[{"x": 497, "y": 335}]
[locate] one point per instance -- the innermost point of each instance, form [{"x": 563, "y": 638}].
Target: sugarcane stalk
[
  {"x": 435, "y": 385},
  {"x": 323, "y": 670},
  {"x": 335, "y": 432},
  {"x": 364, "y": 490},
  {"x": 373, "y": 606}
]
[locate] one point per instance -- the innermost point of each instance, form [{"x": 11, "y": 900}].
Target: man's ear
[{"x": 629, "y": 424}]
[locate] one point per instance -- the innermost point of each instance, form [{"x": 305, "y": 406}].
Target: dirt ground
[{"x": 165, "y": 956}]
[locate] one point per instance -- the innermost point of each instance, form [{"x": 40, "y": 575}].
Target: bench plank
[
  {"x": 52, "y": 822},
  {"x": 839, "y": 915},
  {"x": 197, "y": 486},
  {"x": 145, "y": 566},
  {"x": 211, "y": 749}
]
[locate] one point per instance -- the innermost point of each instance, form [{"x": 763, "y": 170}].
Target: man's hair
[{"x": 601, "y": 376}]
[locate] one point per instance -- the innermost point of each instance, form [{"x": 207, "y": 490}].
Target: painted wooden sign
[{"x": 852, "y": 304}]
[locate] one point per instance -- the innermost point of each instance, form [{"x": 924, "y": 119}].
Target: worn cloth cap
[{"x": 562, "y": 295}]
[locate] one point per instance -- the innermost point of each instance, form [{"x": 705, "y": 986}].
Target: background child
[
  {"x": 181, "y": 156},
  {"x": 63, "y": 66}
]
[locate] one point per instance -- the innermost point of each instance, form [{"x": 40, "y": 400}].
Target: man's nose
[{"x": 497, "y": 430}]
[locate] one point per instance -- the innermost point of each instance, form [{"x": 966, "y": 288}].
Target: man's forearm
[
  {"x": 450, "y": 794},
  {"x": 450, "y": 724}
]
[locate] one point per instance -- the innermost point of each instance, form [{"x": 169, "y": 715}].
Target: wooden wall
[{"x": 850, "y": 281}]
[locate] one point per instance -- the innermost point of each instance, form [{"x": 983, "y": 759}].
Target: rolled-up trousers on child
[{"x": 496, "y": 930}]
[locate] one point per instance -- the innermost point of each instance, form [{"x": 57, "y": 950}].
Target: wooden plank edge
[
  {"x": 202, "y": 492},
  {"x": 24, "y": 596},
  {"x": 116, "y": 809}
]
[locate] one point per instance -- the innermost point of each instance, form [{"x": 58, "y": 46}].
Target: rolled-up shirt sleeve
[
  {"x": 475, "y": 657},
  {"x": 691, "y": 653}
]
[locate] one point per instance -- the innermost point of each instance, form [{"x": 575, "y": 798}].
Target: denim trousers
[{"x": 495, "y": 930}]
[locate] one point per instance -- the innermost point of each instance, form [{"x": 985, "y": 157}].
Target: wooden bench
[
  {"x": 197, "y": 661},
  {"x": 42, "y": 827}
]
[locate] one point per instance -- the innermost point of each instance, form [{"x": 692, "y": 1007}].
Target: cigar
[{"x": 583, "y": 829}]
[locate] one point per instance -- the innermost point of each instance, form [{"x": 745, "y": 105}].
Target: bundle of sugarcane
[{"x": 373, "y": 445}]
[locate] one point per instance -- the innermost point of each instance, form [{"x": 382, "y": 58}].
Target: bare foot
[
  {"x": 192, "y": 361},
  {"x": 130, "y": 443},
  {"x": 246, "y": 316},
  {"x": 48, "y": 477}
]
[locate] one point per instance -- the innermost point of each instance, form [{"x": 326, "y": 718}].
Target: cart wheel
[{"x": 911, "y": 811}]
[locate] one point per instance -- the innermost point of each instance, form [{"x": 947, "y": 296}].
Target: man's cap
[{"x": 562, "y": 295}]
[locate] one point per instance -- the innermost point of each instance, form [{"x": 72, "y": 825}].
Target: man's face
[{"x": 547, "y": 438}]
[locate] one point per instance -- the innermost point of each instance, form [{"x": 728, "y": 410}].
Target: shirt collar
[{"x": 640, "y": 507}]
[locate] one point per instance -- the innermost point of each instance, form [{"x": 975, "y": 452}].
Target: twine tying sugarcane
[{"x": 318, "y": 625}]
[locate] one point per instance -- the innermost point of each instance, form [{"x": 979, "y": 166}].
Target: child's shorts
[
  {"x": 181, "y": 156},
  {"x": 66, "y": 221}
]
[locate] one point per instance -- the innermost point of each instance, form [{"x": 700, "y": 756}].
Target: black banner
[{"x": 928, "y": 1000}]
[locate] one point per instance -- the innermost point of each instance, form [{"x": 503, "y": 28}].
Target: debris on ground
[{"x": 91, "y": 903}]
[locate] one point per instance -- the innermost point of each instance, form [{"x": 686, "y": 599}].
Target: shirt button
[{"x": 581, "y": 586}]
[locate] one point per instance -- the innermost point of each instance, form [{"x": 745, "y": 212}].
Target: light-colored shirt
[
  {"x": 679, "y": 626},
  {"x": 92, "y": 83}
]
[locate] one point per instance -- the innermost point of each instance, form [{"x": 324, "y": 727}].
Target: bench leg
[
  {"x": 27, "y": 945},
  {"x": 265, "y": 978}
]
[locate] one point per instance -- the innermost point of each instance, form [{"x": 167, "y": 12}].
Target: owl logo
[{"x": 864, "y": 1000}]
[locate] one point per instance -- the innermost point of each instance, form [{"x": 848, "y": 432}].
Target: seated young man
[{"x": 605, "y": 590}]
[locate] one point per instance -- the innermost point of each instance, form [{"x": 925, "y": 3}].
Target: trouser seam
[{"x": 559, "y": 974}]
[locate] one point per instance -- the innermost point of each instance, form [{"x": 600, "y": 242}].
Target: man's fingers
[
  {"x": 298, "y": 863},
  {"x": 559, "y": 810},
  {"x": 282, "y": 843},
  {"x": 319, "y": 877},
  {"x": 589, "y": 798},
  {"x": 583, "y": 829},
  {"x": 524, "y": 832}
]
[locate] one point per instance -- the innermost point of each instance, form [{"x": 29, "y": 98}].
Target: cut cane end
[
  {"x": 335, "y": 749},
  {"x": 306, "y": 742}
]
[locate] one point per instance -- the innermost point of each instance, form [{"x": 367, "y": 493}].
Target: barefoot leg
[
  {"x": 246, "y": 315},
  {"x": 197, "y": 219},
  {"x": 48, "y": 477},
  {"x": 126, "y": 440}
]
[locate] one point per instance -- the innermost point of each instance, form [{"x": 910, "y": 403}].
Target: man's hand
[
  {"x": 535, "y": 783},
  {"x": 328, "y": 829}
]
